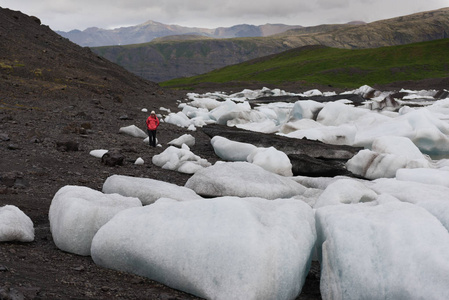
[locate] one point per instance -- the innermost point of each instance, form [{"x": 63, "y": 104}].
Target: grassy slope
[{"x": 337, "y": 67}]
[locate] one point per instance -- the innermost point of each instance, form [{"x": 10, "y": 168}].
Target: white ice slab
[
  {"x": 224, "y": 248},
  {"x": 76, "y": 213},
  {"x": 134, "y": 131},
  {"x": 345, "y": 191},
  {"x": 146, "y": 189},
  {"x": 244, "y": 180},
  {"x": 434, "y": 198},
  {"x": 187, "y": 139},
  {"x": 271, "y": 160},
  {"x": 182, "y": 160},
  {"x": 424, "y": 175},
  {"x": 15, "y": 225},
  {"x": 390, "y": 251},
  {"x": 230, "y": 150}
]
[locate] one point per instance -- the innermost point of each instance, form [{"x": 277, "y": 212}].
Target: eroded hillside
[{"x": 37, "y": 62}]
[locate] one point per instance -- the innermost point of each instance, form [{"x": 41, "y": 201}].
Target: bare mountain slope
[{"x": 35, "y": 61}]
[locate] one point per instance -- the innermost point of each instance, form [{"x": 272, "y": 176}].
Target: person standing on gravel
[{"x": 152, "y": 124}]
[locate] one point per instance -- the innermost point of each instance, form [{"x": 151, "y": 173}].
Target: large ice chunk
[
  {"x": 434, "y": 198},
  {"x": 187, "y": 139},
  {"x": 179, "y": 119},
  {"x": 345, "y": 191},
  {"x": 305, "y": 109},
  {"x": 204, "y": 102},
  {"x": 224, "y": 248},
  {"x": 146, "y": 189},
  {"x": 134, "y": 131},
  {"x": 424, "y": 175},
  {"x": 409, "y": 191},
  {"x": 421, "y": 126},
  {"x": 397, "y": 145},
  {"x": 267, "y": 126},
  {"x": 337, "y": 113},
  {"x": 231, "y": 150},
  {"x": 242, "y": 117},
  {"x": 390, "y": 251},
  {"x": 389, "y": 154},
  {"x": 15, "y": 225},
  {"x": 242, "y": 179},
  {"x": 431, "y": 135},
  {"x": 336, "y": 135},
  {"x": 372, "y": 165},
  {"x": 271, "y": 160},
  {"x": 76, "y": 213},
  {"x": 228, "y": 108},
  {"x": 182, "y": 160}
]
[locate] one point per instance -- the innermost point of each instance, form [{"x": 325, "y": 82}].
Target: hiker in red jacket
[{"x": 152, "y": 124}]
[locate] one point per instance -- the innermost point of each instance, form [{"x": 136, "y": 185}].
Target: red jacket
[{"x": 152, "y": 122}]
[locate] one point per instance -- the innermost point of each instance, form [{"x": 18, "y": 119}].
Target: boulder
[
  {"x": 67, "y": 146},
  {"x": 113, "y": 158}
]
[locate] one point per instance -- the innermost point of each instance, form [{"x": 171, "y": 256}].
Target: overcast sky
[{"x": 66, "y": 15}]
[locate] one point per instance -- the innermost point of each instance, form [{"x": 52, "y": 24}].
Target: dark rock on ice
[
  {"x": 305, "y": 165},
  {"x": 287, "y": 145},
  {"x": 354, "y": 98},
  {"x": 441, "y": 94},
  {"x": 113, "y": 158}
]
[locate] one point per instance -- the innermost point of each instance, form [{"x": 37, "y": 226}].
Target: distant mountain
[
  {"x": 419, "y": 27},
  {"x": 245, "y": 30},
  {"x": 167, "y": 59},
  {"x": 148, "y": 31}
]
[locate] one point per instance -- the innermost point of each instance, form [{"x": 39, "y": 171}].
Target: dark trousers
[{"x": 152, "y": 136}]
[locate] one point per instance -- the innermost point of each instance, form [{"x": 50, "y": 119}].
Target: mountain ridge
[
  {"x": 150, "y": 30},
  {"x": 164, "y": 60}
]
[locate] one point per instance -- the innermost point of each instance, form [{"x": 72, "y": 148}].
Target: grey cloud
[{"x": 69, "y": 14}]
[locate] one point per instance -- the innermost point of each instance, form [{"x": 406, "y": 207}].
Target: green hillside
[{"x": 337, "y": 67}]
